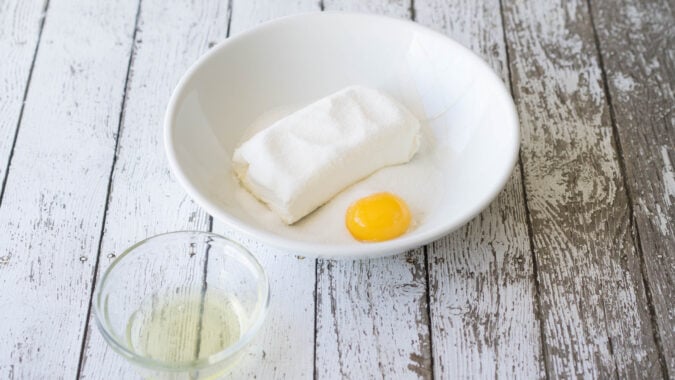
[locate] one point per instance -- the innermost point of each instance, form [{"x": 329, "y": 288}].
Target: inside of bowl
[{"x": 466, "y": 114}]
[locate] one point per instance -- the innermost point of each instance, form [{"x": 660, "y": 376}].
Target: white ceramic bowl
[{"x": 286, "y": 63}]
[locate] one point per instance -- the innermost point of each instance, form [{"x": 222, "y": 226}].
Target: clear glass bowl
[{"x": 182, "y": 305}]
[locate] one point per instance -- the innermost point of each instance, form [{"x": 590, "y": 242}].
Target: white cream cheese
[{"x": 303, "y": 160}]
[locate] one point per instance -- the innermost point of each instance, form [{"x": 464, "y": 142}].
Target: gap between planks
[
  {"x": 573, "y": 212},
  {"x": 23, "y": 100},
  {"x": 351, "y": 316},
  {"x": 165, "y": 203},
  {"x": 56, "y": 193},
  {"x": 490, "y": 326},
  {"x": 123, "y": 101},
  {"x": 635, "y": 228},
  {"x": 631, "y": 212},
  {"x": 528, "y": 217},
  {"x": 284, "y": 347}
]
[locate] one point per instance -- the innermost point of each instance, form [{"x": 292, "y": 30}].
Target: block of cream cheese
[{"x": 303, "y": 160}]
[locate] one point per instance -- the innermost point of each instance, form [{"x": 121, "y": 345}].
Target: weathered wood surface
[
  {"x": 20, "y": 28},
  {"x": 21, "y": 25},
  {"x": 53, "y": 205},
  {"x": 394, "y": 8},
  {"x": 144, "y": 198},
  {"x": 637, "y": 46},
  {"x": 249, "y": 13},
  {"x": 372, "y": 316},
  {"x": 284, "y": 348},
  {"x": 593, "y": 306},
  {"x": 575, "y": 281},
  {"x": 482, "y": 287}
]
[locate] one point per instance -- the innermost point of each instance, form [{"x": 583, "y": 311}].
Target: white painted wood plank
[
  {"x": 145, "y": 200},
  {"x": 393, "y": 8},
  {"x": 284, "y": 347},
  {"x": 20, "y": 24},
  {"x": 372, "y": 318},
  {"x": 595, "y": 316},
  {"x": 56, "y": 187},
  {"x": 482, "y": 287},
  {"x": 249, "y": 13},
  {"x": 636, "y": 41}
]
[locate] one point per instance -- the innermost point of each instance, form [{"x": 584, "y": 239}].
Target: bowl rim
[
  {"x": 258, "y": 316},
  {"x": 328, "y": 250}
]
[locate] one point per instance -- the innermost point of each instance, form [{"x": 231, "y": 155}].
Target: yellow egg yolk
[{"x": 378, "y": 217}]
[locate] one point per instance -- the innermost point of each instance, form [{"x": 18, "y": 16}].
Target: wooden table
[{"x": 570, "y": 272}]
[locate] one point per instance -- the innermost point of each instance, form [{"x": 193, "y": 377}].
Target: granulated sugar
[
  {"x": 305, "y": 159},
  {"x": 419, "y": 182}
]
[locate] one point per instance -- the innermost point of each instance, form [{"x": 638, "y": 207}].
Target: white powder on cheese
[
  {"x": 303, "y": 160},
  {"x": 419, "y": 182}
]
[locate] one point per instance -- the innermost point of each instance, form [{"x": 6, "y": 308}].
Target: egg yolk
[{"x": 378, "y": 217}]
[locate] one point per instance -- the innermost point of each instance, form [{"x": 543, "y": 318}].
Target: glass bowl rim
[{"x": 258, "y": 315}]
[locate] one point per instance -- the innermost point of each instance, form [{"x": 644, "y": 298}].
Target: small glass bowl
[{"x": 182, "y": 304}]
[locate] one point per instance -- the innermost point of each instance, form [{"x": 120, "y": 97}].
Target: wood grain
[
  {"x": 57, "y": 182},
  {"x": 598, "y": 157},
  {"x": 249, "y": 13},
  {"x": 594, "y": 309},
  {"x": 145, "y": 200},
  {"x": 482, "y": 287},
  {"x": 284, "y": 347},
  {"x": 394, "y": 8},
  {"x": 20, "y": 28},
  {"x": 636, "y": 41},
  {"x": 372, "y": 318}
]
